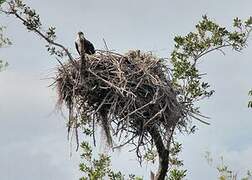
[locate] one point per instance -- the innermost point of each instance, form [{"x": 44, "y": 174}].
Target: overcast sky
[{"x": 33, "y": 135}]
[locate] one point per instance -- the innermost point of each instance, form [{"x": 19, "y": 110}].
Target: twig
[{"x": 14, "y": 12}]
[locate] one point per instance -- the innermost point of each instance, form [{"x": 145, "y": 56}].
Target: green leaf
[
  {"x": 250, "y": 93},
  {"x": 2, "y": 1},
  {"x": 237, "y": 22},
  {"x": 248, "y": 22},
  {"x": 250, "y": 104}
]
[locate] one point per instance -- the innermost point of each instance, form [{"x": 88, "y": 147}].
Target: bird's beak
[{"x": 81, "y": 35}]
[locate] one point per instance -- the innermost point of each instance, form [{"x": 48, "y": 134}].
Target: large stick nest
[{"x": 126, "y": 94}]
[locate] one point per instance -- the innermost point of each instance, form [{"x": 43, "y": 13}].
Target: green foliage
[
  {"x": 94, "y": 168},
  {"x": 134, "y": 177},
  {"x": 224, "y": 171},
  {"x": 208, "y": 37},
  {"x": 150, "y": 155},
  {"x": 250, "y": 102},
  {"x": 2, "y": 1},
  {"x": 248, "y": 176},
  {"x": 174, "y": 151},
  {"x": 175, "y": 172},
  {"x": 3, "y": 65},
  {"x": 98, "y": 169},
  {"x": 4, "y": 41},
  {"x": 31, "y": 19}
]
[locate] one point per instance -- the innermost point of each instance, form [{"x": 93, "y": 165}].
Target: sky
[{"x": 33, "y": 133}]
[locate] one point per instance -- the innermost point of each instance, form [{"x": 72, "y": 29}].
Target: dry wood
[{"x": 130, "y": 96}]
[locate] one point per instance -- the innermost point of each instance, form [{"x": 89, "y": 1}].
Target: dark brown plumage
[{"x": 88, "y": 46}]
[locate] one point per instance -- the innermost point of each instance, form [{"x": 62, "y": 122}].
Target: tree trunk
[{"x": 163, "y": 153}]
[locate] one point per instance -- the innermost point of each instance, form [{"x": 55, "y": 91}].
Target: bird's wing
[
  {"x": 89, "y": 47},
  {"x": 77, "y": 47}
]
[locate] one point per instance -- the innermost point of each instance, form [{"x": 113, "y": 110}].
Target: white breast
[{"x": 78, "y": 43}]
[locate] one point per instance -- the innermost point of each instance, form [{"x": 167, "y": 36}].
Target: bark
[{"x": 163, "y": 153}]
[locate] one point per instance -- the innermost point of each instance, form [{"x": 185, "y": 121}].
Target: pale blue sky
[{"x": 33, "y": 136}]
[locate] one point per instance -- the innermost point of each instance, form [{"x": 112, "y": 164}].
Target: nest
[{"x": 127, "y": 95}]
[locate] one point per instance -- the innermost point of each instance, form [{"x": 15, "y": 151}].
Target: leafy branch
[
  {"x": 4, "y": 41},
  {"x": 250, "y": 102},
  {"x": 31, "y": 20},
  {"x": 189, "y": 49},
  {"x": 100, "y": 168}
]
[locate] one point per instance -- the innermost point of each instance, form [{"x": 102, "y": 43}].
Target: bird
[{"x": 88, "y": 46}]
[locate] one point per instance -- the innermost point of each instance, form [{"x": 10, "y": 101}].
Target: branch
[
  {"x": 210, "y": 50},
  {"x": 163, "y": 153},
  {"x": 14, "y": 12}
]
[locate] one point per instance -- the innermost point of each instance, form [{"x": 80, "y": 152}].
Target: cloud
[{"x": 39, "y": 158}]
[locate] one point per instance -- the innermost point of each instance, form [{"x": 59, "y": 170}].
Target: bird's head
[{"x": 81, "y": 35}]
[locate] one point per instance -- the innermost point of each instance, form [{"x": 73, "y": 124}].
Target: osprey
[{"x": 88, "y": 46}]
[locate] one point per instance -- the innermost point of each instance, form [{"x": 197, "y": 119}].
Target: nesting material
[{"x": 126, "y": 94}]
